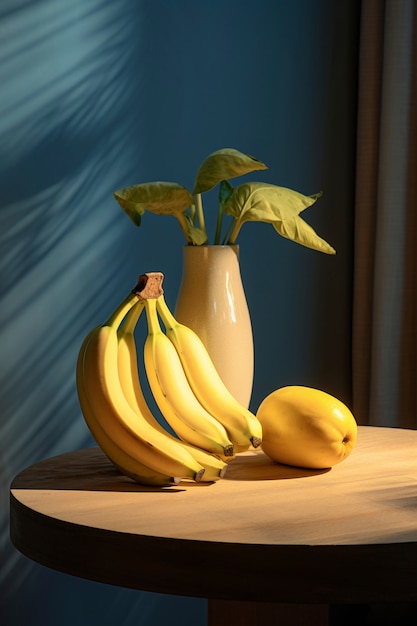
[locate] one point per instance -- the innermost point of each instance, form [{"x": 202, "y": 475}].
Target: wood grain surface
[{"x": 266, "y": 532}]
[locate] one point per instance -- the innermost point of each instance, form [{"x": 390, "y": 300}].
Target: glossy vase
[{"x": 212, "y": 302}]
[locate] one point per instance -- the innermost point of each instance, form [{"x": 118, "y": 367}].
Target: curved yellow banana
[
  {"x": 114, "y": 414},
  {"x": 173, "y": 394},
  {"x": 128, "y": 465},
  {"x": 243, "y": 427},
  {"x": 214, "y": 466}
]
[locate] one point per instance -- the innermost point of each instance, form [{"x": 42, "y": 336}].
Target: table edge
[{"x": 207, "y": 569}]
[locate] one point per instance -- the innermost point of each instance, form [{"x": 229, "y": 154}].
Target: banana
[
  {"x": 243, "y": 427},
  {"x": 173, "y": 394},
  {"x": 101, "y": 385},
  {"x": 215, "y": 467},
  {"x": 128, "y": 465}
]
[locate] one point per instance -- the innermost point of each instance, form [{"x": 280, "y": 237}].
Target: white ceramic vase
[{"x": 212, "y": 302}]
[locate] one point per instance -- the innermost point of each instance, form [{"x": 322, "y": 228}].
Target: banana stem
[
  {"x": 148, "y": 286},
  {"x": 154, "y": 326},
  {"x": 133, "y": 317},
  {"x": 167, "y": 317},
  {"x": 124, "y": 307}
]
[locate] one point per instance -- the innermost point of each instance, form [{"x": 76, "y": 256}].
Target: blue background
[{"x": 97, "y": 95}]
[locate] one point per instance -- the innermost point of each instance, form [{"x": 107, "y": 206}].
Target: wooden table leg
[{"x": 224, "y": 613}]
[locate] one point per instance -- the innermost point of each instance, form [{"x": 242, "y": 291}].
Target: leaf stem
[
  {"x": 183, "y": 223},
  {"x": 232, "y": 232},
  {"x": 192, "y": 213},
  {"x": 227, "y": 233},
  {"x": 219, "y": 221},
  {"x": 236, "y": 229},
  {"x": 200, "y": 212}
]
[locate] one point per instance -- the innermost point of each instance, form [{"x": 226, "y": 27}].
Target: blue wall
[{"x": 97, "y": 95}]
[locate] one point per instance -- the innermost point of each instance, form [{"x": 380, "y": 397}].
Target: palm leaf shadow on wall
[{"x": 65, "y": 118}]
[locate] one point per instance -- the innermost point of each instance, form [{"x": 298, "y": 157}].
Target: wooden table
[{"x": 267, "y": 543}]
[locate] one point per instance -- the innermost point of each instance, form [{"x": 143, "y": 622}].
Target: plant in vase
[
  {"x": 211, "y": 299},
  {"x": 249, "y": 202}
]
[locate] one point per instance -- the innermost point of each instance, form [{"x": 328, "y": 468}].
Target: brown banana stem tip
[
  {"x": 223, "y": 471},
  {"x": 149, "y": 285},
  {"x": 228, "y": 451},
  {"x": 199, "y": 475},
  {"x": 256, "y": 441}
]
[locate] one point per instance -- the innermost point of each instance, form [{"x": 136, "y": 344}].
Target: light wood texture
[{"x": 264, "y": 533}]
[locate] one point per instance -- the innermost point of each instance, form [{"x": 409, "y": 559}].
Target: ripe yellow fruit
[{"x": 306, "y": 427}]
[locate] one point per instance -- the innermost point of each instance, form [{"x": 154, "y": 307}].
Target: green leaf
[
  {"x": 262, "y": 202},
  {"x": 225, "y": 191},
  {"x": 162, "y": 198},
  {"x": 223, "y": 164},
  {"x": 266, "y": 203},
  {"x": 197, "y": 235},
  {"x": 299, "y": 231}
]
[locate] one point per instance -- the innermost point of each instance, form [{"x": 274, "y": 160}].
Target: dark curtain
[{"x": 384, "y": 307}]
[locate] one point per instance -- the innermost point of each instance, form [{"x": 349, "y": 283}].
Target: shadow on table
[
  {"x": 83, "y": 470},
  {"x": 258, "y": 466},
  {"x": 90, "y": 470}
]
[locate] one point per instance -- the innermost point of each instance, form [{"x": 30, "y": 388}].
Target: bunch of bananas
[{"x": 211, "y": 427}]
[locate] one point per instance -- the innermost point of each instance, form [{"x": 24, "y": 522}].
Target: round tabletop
[{"x": 264, "y": 533}]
